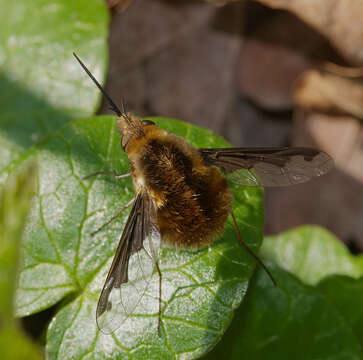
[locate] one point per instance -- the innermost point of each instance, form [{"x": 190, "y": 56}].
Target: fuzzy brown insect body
[
  {"x": 192, "y": 198},
  {"x": 182, "y": 199}
]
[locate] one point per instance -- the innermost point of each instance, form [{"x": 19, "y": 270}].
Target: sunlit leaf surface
[
  {"x": 311, "y": 253},
  {"x": 42, "y": 85},
  {"x": 200, "y": 288}
]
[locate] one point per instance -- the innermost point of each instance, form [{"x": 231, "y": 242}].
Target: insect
[{"x": 182, "y": 199}]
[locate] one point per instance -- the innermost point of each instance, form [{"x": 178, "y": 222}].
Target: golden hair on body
[{"x": 193, "y": 200}]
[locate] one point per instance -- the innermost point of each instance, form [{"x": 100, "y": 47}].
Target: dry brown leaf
[
  {"x": 335, "y": 200},
  {"x": 340, "y": 136},
  {"x": 272, "y": 58},
  {"x": 344, "y": 71},
  {"x": 173, "y": 62},
  {"x": 328, "y": 92},
  {"x": 339, "y": 20},
  {"x": 190, "y": 82},
  {"x": 267, "y": 72}
]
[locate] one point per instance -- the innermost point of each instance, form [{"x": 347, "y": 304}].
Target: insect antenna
[
  {"x": 113, "y": 106},
  {"x": 259, "y": 261},
  {"x": 124, "y": 111},
  {"x": 123, "y": 105}
]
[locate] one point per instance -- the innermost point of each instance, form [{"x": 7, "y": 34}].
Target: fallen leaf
[
  {"x": 277, "y": 49},
  {"x": 327, "y": 92},
  {"x": 267, "y": 72},
  {"x": 339, "y": 21},
  {"x": 135, "y": 40},
  {"x": 185, "y": 67},
  {"x": 334, "y": 201}
]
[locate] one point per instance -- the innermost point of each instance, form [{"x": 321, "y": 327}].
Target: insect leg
[
  {"x": 113, "y": 217},
  {"x": 117, "y": 176},
  {"x": 159, "y": 315},
  {"x": 259, "y": 261},
  {"x": 121, "y": 176}
]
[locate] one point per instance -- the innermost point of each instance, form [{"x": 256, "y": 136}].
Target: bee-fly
[{"x": 182, "y": 199}]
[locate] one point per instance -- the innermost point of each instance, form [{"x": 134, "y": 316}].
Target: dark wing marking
[
  {"x": 132, "y": 266},
  {"x": 269, "y": 166}
]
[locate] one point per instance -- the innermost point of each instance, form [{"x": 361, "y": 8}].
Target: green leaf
[
  {"x": 311, "y": 253},
  {"x": 15, "y": 345},
  {"x": 346, "y": 294},
  {"x": 200, "y": 288},
  {"x": 42, "y": 84},
  {"x": 291, "y": 321},
  {"x": 15, "y": 201},
  {"x": 14, "y": 207}
]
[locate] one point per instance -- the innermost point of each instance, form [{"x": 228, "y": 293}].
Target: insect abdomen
[{"x": 193, "y": 198}]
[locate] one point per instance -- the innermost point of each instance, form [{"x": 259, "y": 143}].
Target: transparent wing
[
  {"x": 132, "y": 266},
  {"x": 269, "y": 166}
]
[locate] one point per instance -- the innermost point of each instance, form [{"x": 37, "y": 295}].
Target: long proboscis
[
  {"x": 259, "y": 261},
  {"x": 113, "y": 106}
]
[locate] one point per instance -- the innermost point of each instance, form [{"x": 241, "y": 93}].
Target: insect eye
[{"x": 147, "y": 122}]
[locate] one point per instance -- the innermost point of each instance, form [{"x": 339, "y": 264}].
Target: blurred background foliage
[
  {"x": 15, "y": 202},
  {"x": 259, "y": 73}
]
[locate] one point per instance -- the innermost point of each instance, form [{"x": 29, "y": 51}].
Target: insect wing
[
  {"x": 132, "y": 267},
  {"x": 269, "y": 166}
]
